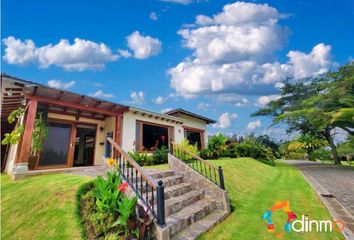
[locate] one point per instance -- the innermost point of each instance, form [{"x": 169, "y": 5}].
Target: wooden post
[
  {"x": 118, "y": 132},
  {"x": 27, "y": 135}
]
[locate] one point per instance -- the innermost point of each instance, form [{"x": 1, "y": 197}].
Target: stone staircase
[{"x": 189, "y": 211}]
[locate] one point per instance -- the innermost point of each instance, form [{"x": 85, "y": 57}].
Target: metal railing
[
  {"x": 150, "y": 192},
  {"x": 198, "y": 164}
]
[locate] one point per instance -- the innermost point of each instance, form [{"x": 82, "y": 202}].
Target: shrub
[
  {"x": 217, "y": 145},
  {"x": 320, "y": 154},
  {"x": 206, "y": 154},
  {"x": 160, "y": 155},
  {"x": 143, "y": 159},
  {"x": 250, "y": 147}
]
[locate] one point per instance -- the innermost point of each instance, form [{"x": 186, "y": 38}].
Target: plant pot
[{"x": 32, "y": 161}]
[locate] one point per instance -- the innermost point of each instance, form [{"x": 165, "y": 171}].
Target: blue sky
[{"x": 159, "y": 55}]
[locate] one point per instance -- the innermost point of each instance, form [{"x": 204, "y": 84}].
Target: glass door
[
  {"x": 56, "y": 146},
  {"x": 84, "y": 145}
]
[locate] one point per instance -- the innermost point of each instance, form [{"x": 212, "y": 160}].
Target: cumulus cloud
[
  {"x": 254, "y": 125},
  {"x": 234, "y": 99},
  {"x": 101, "y": 94},
  {"x": 159, "y": 100},
  {"x": 225, "y": 120},
  {"x": 264, "y": 100},
  {"x": 234, "y": 51},
  {"x": 124, "y": 53},
  {"x": 318, "y": 61},
  {"x": 79, "y": 56},
  {"x": 137, "y": 97},
  {"x": 204, "y": 106},
  {"x": 59, "y": 84},
  {"x": 153, "y": 16},
  {"x": 143, "y": 46}
]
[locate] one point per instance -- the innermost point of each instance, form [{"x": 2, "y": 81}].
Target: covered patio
[{"x": 77, "y": 126}]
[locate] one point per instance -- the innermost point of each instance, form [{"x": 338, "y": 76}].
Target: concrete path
[{"x": 335, "y": 187}]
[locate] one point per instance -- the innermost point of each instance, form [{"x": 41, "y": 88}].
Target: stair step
[
  {"x": 177, "y": 190},
  {"x": 171, "y": 180},
  {"x": 189, "y": 215},
  {"x": 196, "y": 229},
  {"x": 175, "y": 204},
  {"x": 156, "y": 174}
]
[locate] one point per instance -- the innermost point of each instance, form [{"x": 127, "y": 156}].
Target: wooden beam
[
  {"x": 118, "y": 131},
  {"x": 80, "y": 99},
  {"x": 73, "y": 105},
  {"x": 13, "y": 94},
  {"x": 19, "y": 84},
  {"x": 13, "y": 89},
  {"x": 27, "y": 135},
  {"x": 60, "y": 94},
  {"x": 74, "y": 114}
]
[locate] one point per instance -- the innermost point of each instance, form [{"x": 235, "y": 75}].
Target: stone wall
[{"x": 211, "y": 190}]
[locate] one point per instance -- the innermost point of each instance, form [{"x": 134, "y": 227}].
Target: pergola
[{"x": 30, "y": 95}]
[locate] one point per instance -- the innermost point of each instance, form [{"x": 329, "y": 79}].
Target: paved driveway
[{"x": 334, "y": 185}]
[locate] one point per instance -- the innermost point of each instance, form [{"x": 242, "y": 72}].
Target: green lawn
[
  {"x": 40, "y": 207},
  {"x": 253, "y": 188}
]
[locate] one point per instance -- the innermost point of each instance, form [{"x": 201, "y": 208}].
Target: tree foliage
[{"x": 316, "y": 105}]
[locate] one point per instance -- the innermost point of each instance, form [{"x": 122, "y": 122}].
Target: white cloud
[
  {"x": 137, "y": 97},
  {"x": 153, "y": 16},
  {"x": 204, "y": 106},
  {"x": 184, "y": 2},
  {"x": 318, "y": 61},
  {"x": 79, "y": 56},
  {"x": 101, "y": 94},
  {"x": 234, "y": 51},
  {"x": 124, "y": 53},
  {"x": 166, "y": 110},
  {"x": 230, "y": 98},
  {"x": 225, "y": 120},
  {"x": 143, "y": 46},
  {"x": 159, "y": 100},
  {"x": 97, "y": 84},
  {"x": 264, "y": 100},
  {"x": 59, "y": 84},
  {"x": 254, "y": 125}
]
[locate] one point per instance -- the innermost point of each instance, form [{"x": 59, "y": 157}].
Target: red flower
[{"x": 122, "y": 187}]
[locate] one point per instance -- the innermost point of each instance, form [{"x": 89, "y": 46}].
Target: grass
[
  {"x": 40, "y": 207},
  {"x": 254, "y": 187},
  {"x": 43, "y": 207}
]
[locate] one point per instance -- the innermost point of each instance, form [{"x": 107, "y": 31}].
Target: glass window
[
  {"x": 150, "y": 137},
  {"x": 194, "y": 138},
  {"x": 56, "y": 145}
]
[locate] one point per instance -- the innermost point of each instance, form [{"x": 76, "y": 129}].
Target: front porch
[{"x": 77, "y": 126}]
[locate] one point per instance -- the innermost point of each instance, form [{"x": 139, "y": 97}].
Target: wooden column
[
  {"x": 27, "y": 135},
  {"x": 118, "y": 131}
]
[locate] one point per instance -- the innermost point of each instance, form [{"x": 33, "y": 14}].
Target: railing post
[
  {"x": 160, "y": 204},
  {"x": 221, "y": 178},
  {"x": 171, "y": 147},
  {"x": 108, "y": 146}
]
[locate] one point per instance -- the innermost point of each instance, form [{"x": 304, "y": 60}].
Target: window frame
[
  {"x": 196, "y": 130},
  {"x": 139, "y": 145}
]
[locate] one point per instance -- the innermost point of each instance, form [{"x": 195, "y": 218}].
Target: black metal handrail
[
  {"x": 146, "y": 188},
  {"x": 198, "y": 164}
]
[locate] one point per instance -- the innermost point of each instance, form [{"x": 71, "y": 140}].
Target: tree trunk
[{"x": 327, "y": 135}]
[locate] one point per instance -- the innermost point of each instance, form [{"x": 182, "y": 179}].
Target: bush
[
  {"x": 230, "y": 151},
  {"x": 207, "y": 154},
  {"x": 160, "y": 155},
  {"x": 252, "y": 148},
  {"x": 143, "y": 159},
  {"x": 217, "y": 145},
  {"x": 320, "y": 154}
]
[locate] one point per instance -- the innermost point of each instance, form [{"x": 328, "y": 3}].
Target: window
[
  {"x": 150, "y": 137},
  {"x": 195, "y": 137}
]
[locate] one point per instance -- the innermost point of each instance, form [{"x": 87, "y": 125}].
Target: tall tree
[{"x": 316, "y": 105}]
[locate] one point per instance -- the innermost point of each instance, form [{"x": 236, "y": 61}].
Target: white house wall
[{"x": 129, "y": 127}]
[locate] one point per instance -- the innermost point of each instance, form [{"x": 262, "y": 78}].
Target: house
[{"x": 78, "y": 126}]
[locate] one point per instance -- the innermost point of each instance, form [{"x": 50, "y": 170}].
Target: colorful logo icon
[{"x": 279, "y": 205}]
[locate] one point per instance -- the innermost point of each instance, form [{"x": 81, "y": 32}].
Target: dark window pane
[
  {"x": 154, "y": 137},
  {"x": 194, "y": 137},
  {"x": 56, "y": 145}
]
